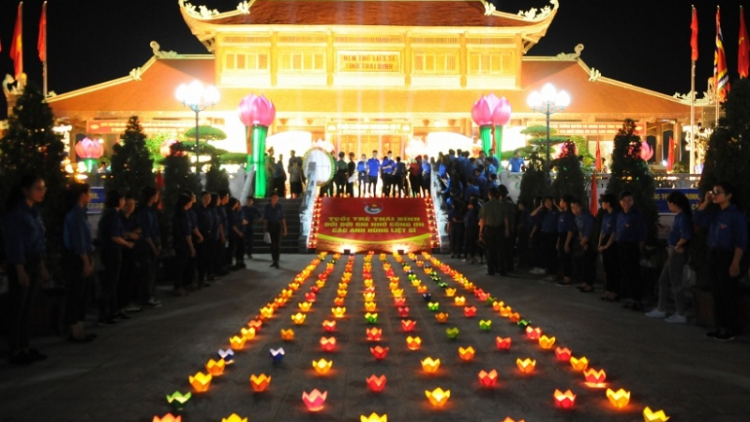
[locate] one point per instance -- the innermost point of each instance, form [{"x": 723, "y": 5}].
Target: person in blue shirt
[
  {"x": 727, "y": 241},
  {"x": 127, "y": 294},
  {"x": 250, "y": 216},
  {"x": 221, "y": 256},
  {"x": 386, "y": 174},
  {"x": 399, "y": 179},
  {"x": 608, "y": 248},
  {"x": 236, "y": 234},
  {"x": 456, "y": 229},
  {"x": 25, "y": 252},
  {"x": 218, "y": 237},
  {"x": 493, "y": 160},
  {"x": 471, "y": 190},
  {"x": 516, "y": 164},
  {"x": 630, "y": 235},
  {"x": 148, "y": 246},
  {"x": 426, "y": 177},
  {"x": 566, "y": 232},
  {"x": 677, "y": 245},
  {"x": 182, "y": 242},
  {"x": 77, "y": 262},
  {"x": 275, "y": 224},
  {"x": 203, "y": 248},
  {"x": 361, "y": 176},
  {"x": 584, "y": 227},
  {"x": 111, "y": 235},
  {"x": 547, "y": 214},
  {"x": 471, "y": 232},
  {"x": 373, "y": 170}
]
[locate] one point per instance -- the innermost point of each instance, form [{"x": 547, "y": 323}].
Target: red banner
[{"x": 378, "y": 224}]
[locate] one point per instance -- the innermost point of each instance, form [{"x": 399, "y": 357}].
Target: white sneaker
[
  {"x": 656, "y": 313},
  {"x": 677, "y": 319}
]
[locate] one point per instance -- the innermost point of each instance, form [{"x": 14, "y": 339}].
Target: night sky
[{"x": 642, "y": 42}]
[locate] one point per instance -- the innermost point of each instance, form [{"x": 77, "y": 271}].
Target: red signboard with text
[{"x": 378, "y": 224}]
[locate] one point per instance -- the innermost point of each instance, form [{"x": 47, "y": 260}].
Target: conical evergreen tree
[
  {"x": 534, "y": 182},
  {"x": 569, "y": 178},
  {"x": 177, "y": 177},
  {"x": 629, "y": 172},
  {"x": 132, "y": 166}
]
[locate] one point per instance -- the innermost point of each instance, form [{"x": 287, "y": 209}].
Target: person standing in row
[
  {"x": 190, "y": 283},
  {"x": 182, "y": 242},
  {"x": 630, "y": 235},
  {"x": 547, "y": 214},
  {"x": 373, "y": 169},
  {"x": 275, "y": 224},
  {"x": 727, "y": 241},
  {"x": 677, "y": 247},
  {"x": 250, "y": 215},
  {"x": 339, "y": 178},
  {"x": 295, "y": 180},
  {"x": 77, "y": 261},
  {"x": 203, "y": 249},
  {"x": 566, "y": 231},
  {"x": 386, "y": 174},
  {"x": 127, "y": 294},
  {"x": 25, "y": 250},
  {"x": 362, "y": 176},
  {"x": 351, "y": 171},
  {"x": 111, "y": 235},
  {"x": 236, "y": 235},
  {"x": 493, "y": 227},
  {"x": 584, "y": 222},
  {"x": 148, "y": 246},
  {"x": 608, "y": 248}
]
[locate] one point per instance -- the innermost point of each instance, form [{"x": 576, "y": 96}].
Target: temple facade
[{"x": 370, "y": 75}]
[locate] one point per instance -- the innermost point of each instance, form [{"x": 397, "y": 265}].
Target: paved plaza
[{"x": 125, "y": 374}]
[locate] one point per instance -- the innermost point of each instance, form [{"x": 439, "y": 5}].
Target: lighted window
[
  {"x": 486, "y": 62},
  {"x": 301, "y": 61},
  {"x": 434, "y": 63},
  {"x": 251, "y": 61}
]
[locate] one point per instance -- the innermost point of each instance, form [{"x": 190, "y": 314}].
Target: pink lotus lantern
[
  {"x": 491, "y": 111},
  {"x": 314, "y": 400},
  {"x": 90, "y": 151},
  {"x": 646, "y": 151},
  {"x": 257, "y": 113}
]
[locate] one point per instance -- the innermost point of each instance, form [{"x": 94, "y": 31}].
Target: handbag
[{"x": 267, "y": 237}]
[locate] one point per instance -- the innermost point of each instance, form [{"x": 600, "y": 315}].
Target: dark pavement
[{"x": 125, "y": 374}]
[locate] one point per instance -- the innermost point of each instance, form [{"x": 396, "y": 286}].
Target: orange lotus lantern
[
  {"x": 459, "y": 300},
  {"x": 237, "y": 342},
  {"x": 200, "y": 382},
  {"x": 398, "y": 292},
  {"x": 421, "y": 289},
  {"x": 450, "y": 292},
  {"x": 430, "y": 365},
  {"x": 413, "y": 343},
  {"x": 215, "y": 368},
  {"x": 304, "y": 306},
  {"x": 322, "y": 366},
  {"x": 320, "y": 283},
  {"x": 369, "y": 297},
  {"x": 299, "y": 318},
  {"x": 247, "y": 333},
  {"x": 565, "y": 400},
  {"x": 594, "y": 378},
  {"x": 338, "y": 312},
  {"x": 563, "y": 354},
  {"x": 310, "y": 297},
  {"x": 526, "y": 366},
  {"x": 374, "y": 334},
  {"x": 403, "y": 312},
  {"x": 328, "y": 344},
  {"x": 503, "y": 343},
  {"x": 370, "y": 306},
  {"x": 546, "y": 343},
  {"x": 514, "y": 317},
  {"x": 374, "y": 417},
  {"x": 314, "y": 400},
  {"x": 279, "y": 301},
  {"x": 441, "y": 317},
  {"x": 579, "y": 365},
  {"x": 368, "y": 282},
  {"x": 466, "y": 354},
  {"x": 487, "y": 379},
  {"x": 234, "y": 418},
  {"x": 255, "y": 324},
  {"x": 438, "y": 397},
  {"x": 376, "y": 384},
  {"x": 287, "y": 335},
  {"x": 167, "y": 418},
  {"x": 343, "y": 286},
  {"x": 259, "y": 383},
  {"x": 497, "y": 305},
  {"x": 393, "y": 285},
  {"x": 508, "y": 419},
  {"x": 399, "y": 301},
  {"x": 470, "y": 311},
  {"x": 533, "y": 333},
  {"x": 329, "y": 326},
  {"x": 266, "y": 312},
  {"x": 339, "y": 301},
  {"x": 379, "y": 353},
  {"x": 341, "y": 293},
  {"x": 619, "y": 398},
  {"x": 651, "y": 416},
  {"x": 416, "y": 282},
  {"x": 408, "y": 325}
]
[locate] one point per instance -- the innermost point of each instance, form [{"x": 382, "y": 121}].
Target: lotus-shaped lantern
[
  {"x": 487, "y": 379},
  {"x": 248, "y": 333},
  {"x": 215, "y": 368},
  {"x": 450, "y": 292},
  {"x": 526, "y": 365},
  {"x": 563, "y": 354},
  {"x": 256, "y": 111},
  {"x": 503, "y": 343},
  {"x": 299, "y": 318},
  {"x": 546, "y": 343},
  {"x": 452, "y": 333},
  {"x": 619, "y": 398},
  {"x": 374, "y": 417},
  {"x": 565, "y": 400},
  {"x": 200, "y": 382},
  {"x": 374, "y": 334},
  {"x": 287, "y": 335},
  {"x": 314, "y": 400},
  {"x": 338, "y": 301},
  {"x": 338, "y": 312},
  {"x": 237, "y": 342},
  {"x": 413, "y": 343},
  {"x": 322, "y": 366},
  {"x": 234, "y": 418},
  {"x": 594, "y": 378},
  {"x": 260, "y": 383},
  {"x": 470, "y": 311},
  {"x": 399, "y": 301},
  {"x": 227, "y": 356},
  {"x": 178, "y": 401},
  {"x": 379, "y": 353},
  {"x": 430, "y": 365},
  {"x": 533, "y": 333},
  {"x": 376, "y": 384},
  {"x": 304, "y": 306},
  {"x": 466, "y": 354},
  {"x": 485, "y": 325},
  {"x": 329, "y": 326},
  {"x": 277, "y": 355},
  {"x": 371, "y": 317},
  {"x": 433, "y": 306},
  {"x": 438, "y": 397},
  {"x": 408, "y": 325},
  {"x": 579, "y": 364},
  {"x": 370, "y": 306},
  {"x": 651, "y": 416},
  {"x": 328, "y": 344},
  {"x": 459, "y": 300},
  {"x": 403, "y": 312},
  {"x": 167, "y": 418},
  {"x": 441, "y": 317}
]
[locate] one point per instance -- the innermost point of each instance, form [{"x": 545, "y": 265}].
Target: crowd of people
[{"x": 209, "y": 235}]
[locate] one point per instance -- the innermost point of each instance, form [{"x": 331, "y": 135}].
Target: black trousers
[
  {"x": 492, "y": 238},
  {"x": 566, "y": 258},
  {"x": 249, "y": 233},
  {"x": 109, "y": 280},
  {"x": 372, "y": 183},
  {"x": 724, "y": 288},
  {"x": 21, "y": 299},
  {"x": 629, "y": 254},
  {"x": 180, "y": 265},
  {"x": 471, "y": 235},
  {"x": 203, "y": 259},
  {"x": 274, "y": 229},
  {"x": 387, "y": 182},
  {"x": 549, "y": 252},
  {"x": 456, "y": 238},
  {"x": 611, "y": 260},
  {"x": 415, "y": 184},
  {"x": 522, "y": 248},
  {"x": 125, "y": 291},
  {"x": 587, "y": 265},
  {"x": 144, "y": 273},
  {"x": 237, "y": 249},
  {"x": 76, "y": 288}
]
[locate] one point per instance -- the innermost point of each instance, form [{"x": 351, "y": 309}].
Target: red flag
[
  {"x": 721, "y": 73},
  {"x": 594, "y": 195},
  {"x": 670, "y": 156},
  {"x": 16, "y": 46},
  {"x": 694, "y": 36},
  {"x": 598, "y": 157},
  {"x": 41, "y": 44},
  {"x": 743, "y": 61}
]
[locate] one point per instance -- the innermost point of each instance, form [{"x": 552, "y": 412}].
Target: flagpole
[
  {"x": 716, "y": 74},
  {"x": 692, "y": 117},
  {"x": 44, "y": 64}
]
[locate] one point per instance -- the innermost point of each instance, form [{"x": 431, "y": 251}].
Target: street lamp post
[
  {"x": 197, "y": 97},
  {"x": 548, "y": 102}
]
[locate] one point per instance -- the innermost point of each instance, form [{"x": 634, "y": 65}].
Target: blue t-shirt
[
  {"x": 682, "y": 228},
  {"x": 585, "y": 224},
  {"x": 373, "y": 167},
  {"x": 630, "y": 227},
  {"x": 77, "y": 231},
  {"x": 608, "y": 223},
  {"x": 566, "y": 222},
  {"x": 727, "y": 228},
  {"x": 110, "y": 225},
  {"x": 549, "y": 222},
  {"x": 515, "y": 164},
  {"x": 273, "y": 214}
]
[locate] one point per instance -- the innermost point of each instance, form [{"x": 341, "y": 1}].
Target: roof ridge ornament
[
  {"x": 244, "y": 7},
  {"x": 202, "y": 12},
  {"x": 535, "y": 13},
  {"x": 594, "y": 75},
  {"x": 159, "y": 53},
  {"x": 571, "y": 56},
  {"x": 136, "y": 74},
  {"x": 700, "y": 102}
]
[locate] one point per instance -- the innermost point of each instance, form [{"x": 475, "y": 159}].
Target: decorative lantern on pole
[
  {"x": 257, "y": 113},
  {"x": 91, "y": 152},
  {"x": 481, "y": 113},
  {"x": 500, "y": 117},
  {"x": 197, "y": 97}
]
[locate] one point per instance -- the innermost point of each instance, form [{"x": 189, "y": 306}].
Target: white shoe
[
  {"x": 677, "y": 319},
  {"x": 656, "y": 313}
]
